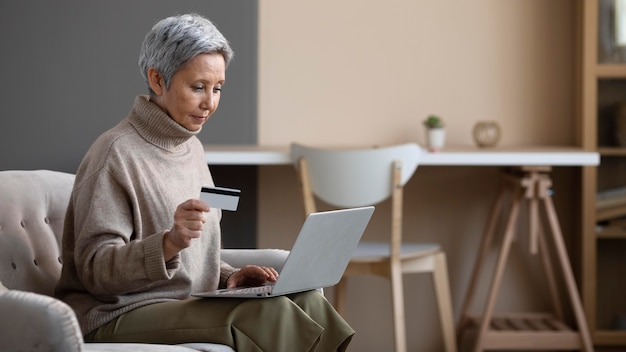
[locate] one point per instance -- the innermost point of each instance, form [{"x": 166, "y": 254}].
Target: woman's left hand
[{"x": 252, "y": 275}]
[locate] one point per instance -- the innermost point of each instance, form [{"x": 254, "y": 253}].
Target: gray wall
[{"x": 69, "y": 71}]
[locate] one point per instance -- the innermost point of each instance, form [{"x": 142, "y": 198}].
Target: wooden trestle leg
[{"x": 527, "y": 331}]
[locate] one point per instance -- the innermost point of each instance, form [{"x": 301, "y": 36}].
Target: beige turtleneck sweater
[{"x": 126, "y": 191}]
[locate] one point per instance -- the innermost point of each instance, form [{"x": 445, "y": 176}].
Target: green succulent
[{"x": 433, "y": 121}]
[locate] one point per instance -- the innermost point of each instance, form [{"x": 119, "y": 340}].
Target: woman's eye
[
  {"x": 217, "y": 89},
  {"x": 198, "y": 88}
]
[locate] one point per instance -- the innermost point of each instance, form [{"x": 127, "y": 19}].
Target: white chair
[{"x": 359, "y": 177}]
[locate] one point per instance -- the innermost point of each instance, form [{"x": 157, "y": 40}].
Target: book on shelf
[
  {"x": 611, "y": 204},
  {"x": 611, "y": 198}
]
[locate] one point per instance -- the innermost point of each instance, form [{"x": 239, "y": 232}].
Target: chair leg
[
  {"x": 397, "y": 302},
  {"x": 444, "y": 301},
  {"x": 340, "y": 296}
]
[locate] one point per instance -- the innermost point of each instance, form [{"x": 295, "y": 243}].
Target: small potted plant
[{"x": 435, "y": 132}]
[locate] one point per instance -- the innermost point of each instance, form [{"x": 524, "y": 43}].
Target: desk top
[{"x": 452, "y": 156}]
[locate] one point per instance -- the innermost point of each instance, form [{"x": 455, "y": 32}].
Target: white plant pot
[{"x": 435, "y": 138}]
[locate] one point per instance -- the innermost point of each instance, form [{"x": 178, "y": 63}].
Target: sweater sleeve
[
  {"x": 111, "y": 257},
  {"x": 226, "y": 270},
  {"x": 154, "y": 259}
]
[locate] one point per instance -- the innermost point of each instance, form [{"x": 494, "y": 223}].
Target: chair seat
[{"x": 377, "y": 251}]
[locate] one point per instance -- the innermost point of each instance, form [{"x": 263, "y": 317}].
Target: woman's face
[{"x": 194, "y": 91}]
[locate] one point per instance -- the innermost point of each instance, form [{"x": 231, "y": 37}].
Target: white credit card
[{"x": 220, "y": 197}]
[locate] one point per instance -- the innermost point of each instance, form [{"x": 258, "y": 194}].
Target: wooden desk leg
[
  {"x": 485, "y": 244},
  {"x": 532, "y": 185},
  {"x": 563, "y": 259},
  {"x": 503, "y": 255},
  {"x": 550, "y": 277},
  {"x": 536, "y": 236}
]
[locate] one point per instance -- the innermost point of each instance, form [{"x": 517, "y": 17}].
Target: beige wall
[
  {"x": 331, "y": 68},
  {"x": 367, "y": 72}
]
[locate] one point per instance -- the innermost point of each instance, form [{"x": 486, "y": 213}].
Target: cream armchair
[{"x": 32, "y": 209}]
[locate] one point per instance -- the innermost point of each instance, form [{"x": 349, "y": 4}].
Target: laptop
[{"x": 318, "y": 258}]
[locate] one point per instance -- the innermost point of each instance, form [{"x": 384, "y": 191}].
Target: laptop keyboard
[{"x": 247, "y": 290}]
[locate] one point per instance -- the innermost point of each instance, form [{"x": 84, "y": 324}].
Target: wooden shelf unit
[
  {"x": 603, "y": 245},
  {"x": 611, "y": 71}
]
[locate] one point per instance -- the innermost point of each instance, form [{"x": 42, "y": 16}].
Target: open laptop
[{"x": 318, "y": 258}]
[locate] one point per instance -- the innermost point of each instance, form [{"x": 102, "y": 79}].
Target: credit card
[{"x": 220, "y": 197}]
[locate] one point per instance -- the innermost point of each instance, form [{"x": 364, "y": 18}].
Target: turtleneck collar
[{"x": 156, "y": 127}]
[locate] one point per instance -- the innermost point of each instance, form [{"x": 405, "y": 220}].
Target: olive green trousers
[{"x": 299, "y": 322}]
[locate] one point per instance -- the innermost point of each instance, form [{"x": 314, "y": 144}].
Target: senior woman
[{"x": 137, "y": 241}]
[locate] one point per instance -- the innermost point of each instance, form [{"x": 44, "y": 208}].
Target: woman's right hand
[{"x": 188, "y": 222}]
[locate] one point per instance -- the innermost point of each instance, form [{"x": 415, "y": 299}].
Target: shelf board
[
  {"x": 609, "y": 337},
  {"x": 612, "y": 232},
  {"x": 612, "y": 151},
  {"x": 611, "y": 71},
  {"x": 615, "y": 228},
  {"x": 610, "y": 213}
]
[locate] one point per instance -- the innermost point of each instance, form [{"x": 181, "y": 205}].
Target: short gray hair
[{"x": 175, "y": 40}]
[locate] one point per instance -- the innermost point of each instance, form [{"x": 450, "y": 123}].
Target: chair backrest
[
  {"x": 358, "y": 177},
  {"x": 32, "y": 211},
  {"x": 355, "y": 177}
]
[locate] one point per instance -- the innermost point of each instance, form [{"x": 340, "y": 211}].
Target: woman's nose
[{"x": 209, "y": 103}]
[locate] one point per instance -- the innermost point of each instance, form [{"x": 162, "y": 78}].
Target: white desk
[
  {"x": 453, "y": 156},
  {"x": 238, "y": 154},
  {"x": 534, "y": 181}
]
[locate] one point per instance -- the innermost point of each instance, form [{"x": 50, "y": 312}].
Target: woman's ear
[{"x": 156, "y": 82}]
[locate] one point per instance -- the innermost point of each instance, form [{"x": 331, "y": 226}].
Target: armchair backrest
[{"x": 32, "y": 211}]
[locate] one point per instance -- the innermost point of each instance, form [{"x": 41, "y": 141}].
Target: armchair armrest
[
  {"x": 34, "y": 322},
  {"x": 265, "y": 257}
]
